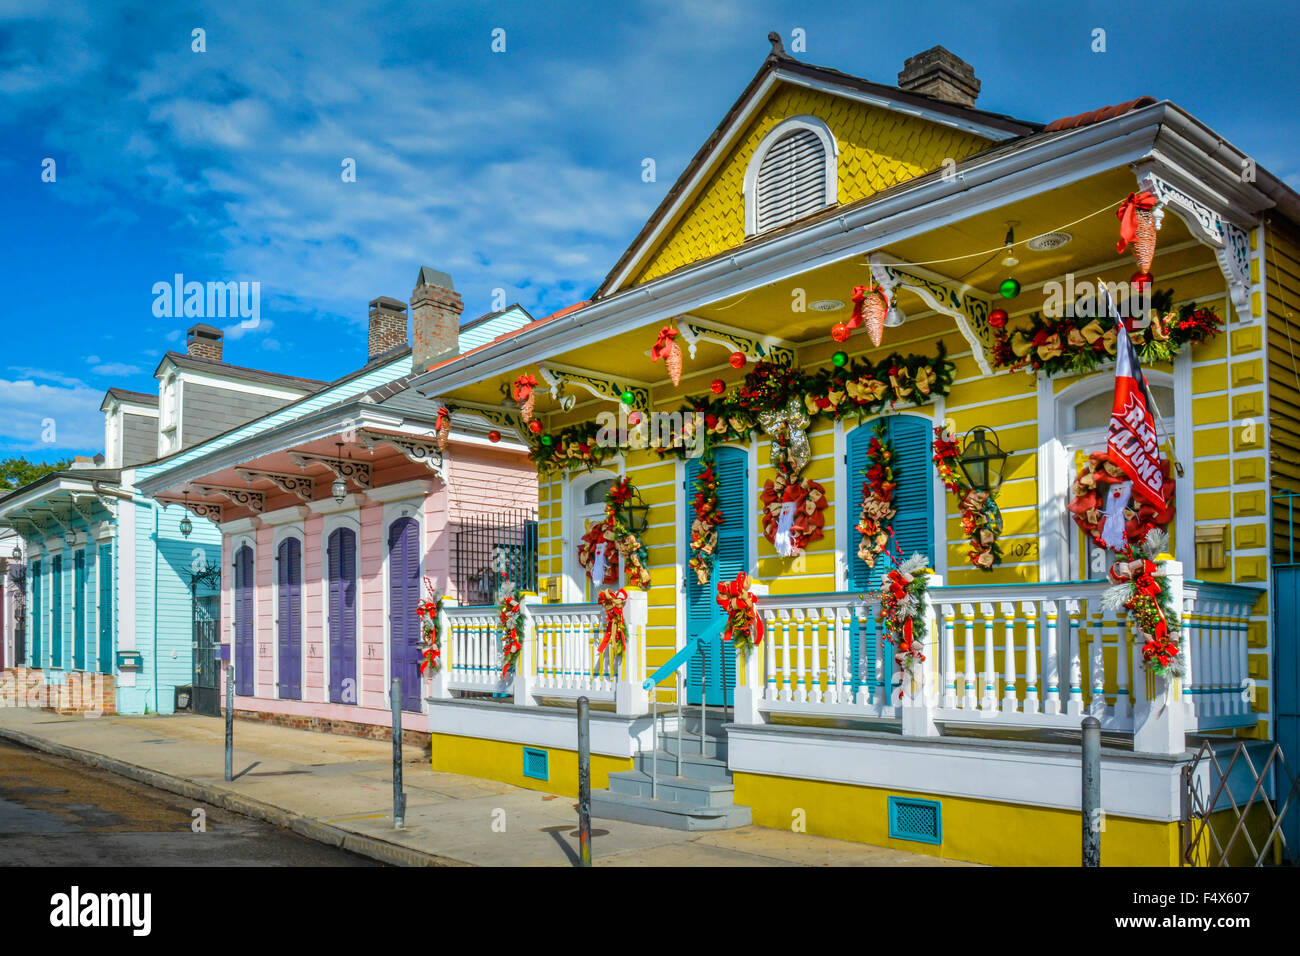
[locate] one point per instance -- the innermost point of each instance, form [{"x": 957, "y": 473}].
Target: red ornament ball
[
  {"x": 737, "y": 359},
  {"x": 494, "y": 436},
  {"x": 717, "y": 386},
  {"x": 840, "y": 332},
  {"x": 634, "y": 418},
  {"x": 535, "y": 427},
  {"x": 1141, "y": 280},
  {"x": 998, "y": 318}
]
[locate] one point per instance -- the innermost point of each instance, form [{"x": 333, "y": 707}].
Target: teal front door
[
  {"x": 909, "y": 438},
  {"x": 711, "y": 672}
]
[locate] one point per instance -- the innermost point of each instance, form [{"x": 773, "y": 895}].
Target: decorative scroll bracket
[
  {"x": 300, "y": 485},
  {"x": 418, "y": 450},
  {"x": 969, "y": 311},
  {"x": 755, "y": 348},
  {"x": 52, "y": 515},
  {"x": 200, "y": 509},
  {"x": 558, "y": 377},
  {"x": 85, "y": 505},
  {"x": 501, "y": 417},
  {"x": 357, "y": 472},
  {"x": 248, "y": 498},
  {"x": 1229, "y": 241}
]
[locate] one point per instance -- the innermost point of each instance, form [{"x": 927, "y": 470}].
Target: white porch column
[
  {"x": 629, "y": 696},
  {"x": 746, "y": 698},
  {"x": 920, "y": 695},
  {"x": 1160, "y": 717},
  {"x": 438, "y": 686},
  {"x": 524, "y": 679}
]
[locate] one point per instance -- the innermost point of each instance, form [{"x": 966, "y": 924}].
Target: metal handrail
[{"x": 673, "y": 666}]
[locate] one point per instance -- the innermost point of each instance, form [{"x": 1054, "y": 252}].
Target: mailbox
[
  {"x": 221, "y": 652},
  {"x": 129, "y": 660}
]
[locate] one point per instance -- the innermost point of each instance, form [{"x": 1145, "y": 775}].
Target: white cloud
[
  {"x": 116, "y": 369},
  {"x": 31, "y": 410}
]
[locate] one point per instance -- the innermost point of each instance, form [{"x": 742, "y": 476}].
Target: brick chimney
[
  {"x": 203, "y": 341},
  {"x": 940, "y": 74},
  {"x": 387, "y": 325},
  {"x": 435, "y": 319}
]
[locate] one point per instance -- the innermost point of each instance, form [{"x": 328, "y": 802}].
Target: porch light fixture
[
  {"x": 638, "y": 514},
  {"x": 187, "y": 525},
  {"x": 826, "y": 305},
  {"x": 70, "y": 538},
  {"x": 1011, "y": 261},
  {"x": 982, "y": 459},
  {"x": 17, "y": 553},
  {"x": 895, "y": 316},
  {"x": 339, "y": 489}
]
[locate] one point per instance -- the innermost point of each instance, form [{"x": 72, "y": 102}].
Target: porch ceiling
[{"x": 1085, "y": 210}]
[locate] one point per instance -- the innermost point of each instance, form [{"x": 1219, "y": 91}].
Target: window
[
  {"x": 1094, "y": 412},
  {"x": 585, "y": 507},
  {"x": 792, "y": 174}
]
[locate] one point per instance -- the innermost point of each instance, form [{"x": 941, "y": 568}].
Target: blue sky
[{"x": 518, "y": 171}]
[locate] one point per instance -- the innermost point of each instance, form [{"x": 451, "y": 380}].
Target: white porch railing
[
  {"x": 559, "y": 658},
  {"x": 1015, "y": 656}
]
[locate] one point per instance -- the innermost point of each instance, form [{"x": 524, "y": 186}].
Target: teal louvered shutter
[
  {"x": 715, "y": 665},
  {"x": 34, "y": 582},
  {"x": 105, "y": 580},
  {"x": 56, "y": 611},
  {"x": 909, "y": 438},
  {"x": 79, "y": 611}
]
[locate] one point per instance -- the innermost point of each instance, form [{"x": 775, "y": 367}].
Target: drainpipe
[{"x": 157, "y": 542}]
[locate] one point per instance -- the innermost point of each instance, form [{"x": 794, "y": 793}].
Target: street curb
[{"x": 372, "y": 847}]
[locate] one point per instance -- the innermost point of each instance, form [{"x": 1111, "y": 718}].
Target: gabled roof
[
  {"x": 126, "y": 395},
  {"x": 781, "y": 66},
  {"x": 226, "y": 370}
]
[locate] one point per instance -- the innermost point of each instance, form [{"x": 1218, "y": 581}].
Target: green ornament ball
[
  {"x": 629, "y": 398},
  {"x": 840, "y": 359},
  {"x": 1010, "y": 288},
  {"x": 547, "y": 440}
]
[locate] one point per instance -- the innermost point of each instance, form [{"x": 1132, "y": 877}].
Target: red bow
[
  {"x": 1127, "y": 216},
  {"x": 739, "y": 604},
  {"x": 663, "y": 346},
  {"x": 523, "y": 387},
  {"x": 615, "y": 626}
]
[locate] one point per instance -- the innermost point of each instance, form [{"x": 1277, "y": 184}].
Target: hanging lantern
[
  {"x": 840, "y": 359},
  {"x": 187, "y": 526},
  {"x": 1010, "y": 288},
  {"x": 982, "y": 459},
  {"x": 339, "y": 489},
  {"x": 717, "y": 386},
  {"x": 17, "y": 553},
  {"x": 737, "y": 360},
  {"x": 70, "y": 538}
]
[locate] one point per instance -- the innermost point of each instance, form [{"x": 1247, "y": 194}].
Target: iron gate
[
  {"x": 492, "y": 551},
  {"x": 1238, "y": 801},
  {"x": 205, "y": 598}
]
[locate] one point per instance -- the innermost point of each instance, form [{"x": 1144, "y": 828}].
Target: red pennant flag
[{"x": 1131, "y": 440}]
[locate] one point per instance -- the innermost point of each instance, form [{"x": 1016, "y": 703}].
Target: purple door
[
  {"x": 288, "y": 561},
  {"x": 341, "y": 552},
  {"x": 403, "y": 596},
  {"x": 244, "y": 621}
]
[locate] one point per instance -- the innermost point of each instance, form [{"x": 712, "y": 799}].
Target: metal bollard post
[
  {"x": 230, "y": 722},
  {"x": 1091, "y": 791},
  {"x": 584, "y": 781},
  {"x": 399, "y": 798}
]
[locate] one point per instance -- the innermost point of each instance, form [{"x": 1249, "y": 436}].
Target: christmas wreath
[
  {"x": 704, "y": 527},
  {"x": 433, "y": 625},
  {"x": 877, "y": 498},
  {"x": 606, "y": 540},
  {"x": 902, "y": 612},
  {"x": 1140, "y": 589},
  {"x": 511, "y": 614},
  {"x": 980, "y": 519},
  {"x": 792, "y": 512},
  {"x": 1080, "y": 343},
  {"x": 744, "y": 626},
  {"x": 1101, "y": 493}
]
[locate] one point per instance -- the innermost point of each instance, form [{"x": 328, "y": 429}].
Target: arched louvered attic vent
[{"x": 791, "y": 175}]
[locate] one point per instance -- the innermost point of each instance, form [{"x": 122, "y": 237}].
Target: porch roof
[{"x": 48, "y": 506}]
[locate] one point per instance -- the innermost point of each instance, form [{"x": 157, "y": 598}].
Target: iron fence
[
  {"x": 493, "y": 552},
  {"x": 1240, "y": 806}
]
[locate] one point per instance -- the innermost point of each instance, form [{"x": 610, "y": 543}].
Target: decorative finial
[{"x": 778, "y": 48}]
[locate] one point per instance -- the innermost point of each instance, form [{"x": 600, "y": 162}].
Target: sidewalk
[{"x": 338, "y": 790}]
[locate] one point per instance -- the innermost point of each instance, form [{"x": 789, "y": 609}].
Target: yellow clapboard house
[{"x": 816, "y": 183}]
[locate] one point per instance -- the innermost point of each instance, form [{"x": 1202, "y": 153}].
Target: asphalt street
[{"x": 57, "y": 812}]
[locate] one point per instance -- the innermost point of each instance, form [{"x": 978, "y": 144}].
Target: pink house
[{"x": 340, "y": 511}]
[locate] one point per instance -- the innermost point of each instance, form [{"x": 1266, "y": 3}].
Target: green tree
[{"x": 16, "y": 472}]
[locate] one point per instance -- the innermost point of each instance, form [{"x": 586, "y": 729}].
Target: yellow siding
[{"x": 877, "y": 149}]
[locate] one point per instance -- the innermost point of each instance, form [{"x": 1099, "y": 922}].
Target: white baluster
[
  {"x": 1222, "y": 699},
  {"x": 1123, "y": 689},
  {"x": 970, "y": 699},
  {"x": 801, "y": 689},
  {"x": 769, "y": 686},
  {"x": 1010, "y": 703},
  {"x": 949, "y": 659},
  {"x": 1030, "y": 610},
  {"x": 787, "y": 692},
  {"x": 826, "y": 634},
  {"x": 1240, "y": 659},
  {"x": 1052, "y": 659},
  {"x": 989, "y": 701},
  {"x": 1097, "y": 662},
  {"x": 1073, "y": 618},
  {"x": 881, "y": 695}
]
